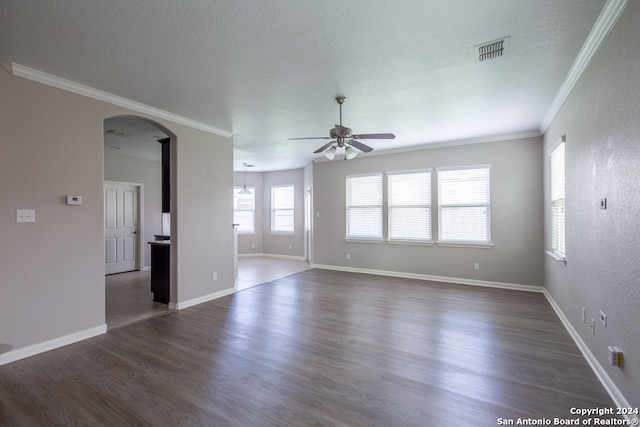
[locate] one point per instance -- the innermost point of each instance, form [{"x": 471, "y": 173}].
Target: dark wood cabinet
[
  {"x": 160, "y": 271},
  {"x": 166, "y": 176}
]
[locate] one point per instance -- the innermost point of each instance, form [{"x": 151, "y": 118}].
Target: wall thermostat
[{"x": 74, "y": 200}]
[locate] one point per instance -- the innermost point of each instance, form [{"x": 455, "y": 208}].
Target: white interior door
[{"x": 120, "y": 227}]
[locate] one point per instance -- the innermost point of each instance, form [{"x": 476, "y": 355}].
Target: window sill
[
  {"x": 282, "y": 233},
  {"x": 478, "y": 245},
  {"x": 410, "y": 242},
  {"x": 363, "y": 240},
  {"x": 557, "y": 257}
]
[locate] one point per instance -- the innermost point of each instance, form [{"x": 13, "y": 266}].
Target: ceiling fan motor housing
[{"x": 334, "y": 133}]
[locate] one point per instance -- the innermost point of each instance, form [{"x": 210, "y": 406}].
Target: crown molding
[
  {"x": 60, "y": 83},
  {"x": 608, "y": 17}
]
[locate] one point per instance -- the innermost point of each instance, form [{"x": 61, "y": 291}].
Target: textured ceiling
[{"x": 268, "y": 70}]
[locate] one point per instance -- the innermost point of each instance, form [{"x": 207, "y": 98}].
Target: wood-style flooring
[
  {"x": 129, "y": 299},
  {"x": 318, "y": 348}
]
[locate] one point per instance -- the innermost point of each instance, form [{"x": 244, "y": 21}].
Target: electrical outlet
[
  {"x": 289, "y": 247},
  {"x": 214, "y": 276},
  {"x": 603, "y": 203},
  {"x": 348, "y": 256},
  {"x": 476, "y": 266}
]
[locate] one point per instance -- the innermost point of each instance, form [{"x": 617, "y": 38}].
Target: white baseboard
[
  {"x": 200, "y": 300},
  {"x": 251, "y": 255},
  {"x": 32, "y": 350},
  {"x": 617, "y": 397},
  {"x": 457, "y": 280},
  {"x": 146, "y": 268},
  {"x": 291, "y": 257}
]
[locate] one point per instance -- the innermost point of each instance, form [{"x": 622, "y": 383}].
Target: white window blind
[
  {"x": 282, "y": 209},
  {"x": 364, "y": 207},
  {"x": 557, "y": 200},
  {"x": 464, "y": 205},
  {"x": 409, "y": 205},
  {"x": 244, "y": 210}
]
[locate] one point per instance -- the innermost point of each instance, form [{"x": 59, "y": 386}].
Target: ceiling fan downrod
[{"x": 340, "y": 101}]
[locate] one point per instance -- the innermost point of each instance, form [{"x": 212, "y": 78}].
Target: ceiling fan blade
[
  {"x": 324, "y": 147},
  {"x": 310, "y": 137},
  {"x": 360, "y": 146},
  {"x": 374, "y": 136},
  {"x": 342, "y": 131}
]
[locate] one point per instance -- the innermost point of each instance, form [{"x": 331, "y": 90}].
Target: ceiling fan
[{"x": 343, "y": 137}]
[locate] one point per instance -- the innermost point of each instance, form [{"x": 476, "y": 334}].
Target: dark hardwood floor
[{"x": 316, "y": 348}]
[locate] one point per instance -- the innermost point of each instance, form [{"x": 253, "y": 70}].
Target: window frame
[
  {"x": 427, "y": 205},
  {"x": 557, "y": 198},
  {"x": 372, "y": 207},
  {"x": 275, "y": 209},
  {"x": 444, "y": 241}
]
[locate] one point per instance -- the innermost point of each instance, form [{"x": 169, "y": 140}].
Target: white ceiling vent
[{"x": 493, "y": 49}]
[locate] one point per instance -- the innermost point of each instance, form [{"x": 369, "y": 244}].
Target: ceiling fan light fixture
[
  {"x": 350, "y": 153},
  {"x": 343, "y": 137},
  {"x": 330, "y": 153}
]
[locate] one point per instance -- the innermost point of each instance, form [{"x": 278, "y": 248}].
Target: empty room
[{"x": 290, "y": 213}]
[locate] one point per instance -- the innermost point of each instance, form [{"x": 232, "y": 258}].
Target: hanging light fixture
[
  {"x": 350, "y": 153},
  {"x": 245, "y": 190}
]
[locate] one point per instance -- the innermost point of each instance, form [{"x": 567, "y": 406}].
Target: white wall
[
  {"x": 52, "y": 271},
  {"x": 516, "y": 212},
  {"x": 601, "y": 121}
]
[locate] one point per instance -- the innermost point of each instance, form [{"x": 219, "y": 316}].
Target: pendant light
[{"x": 245, "y": 190}]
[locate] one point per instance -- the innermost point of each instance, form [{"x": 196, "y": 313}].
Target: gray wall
[
  {"x": 265, "y": 242},
  {"x": 601, "y": 120},
  {"x": 148, "y": 173},
  {"x": 516, "y": 211},
  {"x": 52, "y": 271}
]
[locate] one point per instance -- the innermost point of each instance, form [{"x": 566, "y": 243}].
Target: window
[
  {"x": 463, "y": 205},
  {"x": 364, "y": 207},
  {"x": 282, "y": 209},
  {"x": 409, "y": 198},
  {"x": 244, "y": 210},
  {"x": 557, "y": 200}
]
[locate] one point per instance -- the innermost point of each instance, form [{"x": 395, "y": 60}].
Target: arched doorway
[{"x": 133, "y": 160}]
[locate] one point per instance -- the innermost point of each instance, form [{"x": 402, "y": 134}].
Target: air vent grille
[{"x": 493, "y": 49}]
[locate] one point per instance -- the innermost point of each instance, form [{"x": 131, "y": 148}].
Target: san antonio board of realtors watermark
[{"x": 581, "y": 417}]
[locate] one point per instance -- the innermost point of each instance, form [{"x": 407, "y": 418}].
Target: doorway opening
[{"x": 135, "y": 214}]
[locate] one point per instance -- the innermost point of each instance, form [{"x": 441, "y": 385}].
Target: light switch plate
[{"x": 25, "y": 215}]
